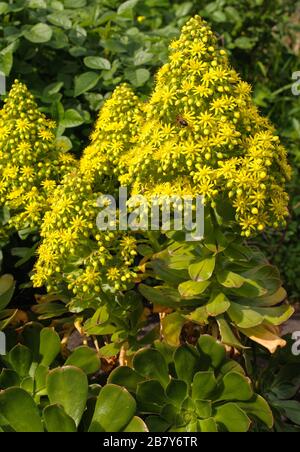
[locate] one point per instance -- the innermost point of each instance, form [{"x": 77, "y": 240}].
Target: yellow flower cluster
[
  {"x": 203, "y": 136},
  {"x": 75, "y": 255},
  {"x": 30, "y": 163},
  {"x": 199, "y": 134}
]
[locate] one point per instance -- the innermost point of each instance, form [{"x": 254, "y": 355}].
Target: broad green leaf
[
  {"x": 7, "y": 288},
  {"x": 271, "y": 300},
  {"x": 199, "y": 315},
  {"x": 109, "y": 350},
  {"x": 136, "y": 425},
  {"x": 9, "y": 378},
  {"x": 68, "y": 386},
  {"x": 204, "y": 408},
  {"x": 177, "y": 391},
  {"x": 138, "y": 77},
  {"x": 64, "y": 144},
  {"x": 244, "y": 43},
  {"x": 114, "y": 409},
  {"x": 208, "y": 425},
  {"x": 235, "y": 387},
  {"x": 218, "y": 304},
  {"x": 289, "y": 408},
  {"x": 99, "y": 63},
  {"x": 86, "y": 359},
  {"x": 85, "y": 82},
  {"x": 6, "y": 62},
  {"x": 125, "y": 376},
  {"x": 39, "y": 33},
  {"x": 125, "y": 9},
  {"x": 258, "y": 408},
  {"x": 157, "y": 424},
  {"x": 186, "y": 361},
  {"x": 49, "y": 346},
  {"x": 57, "y": 421},
  {"x": 151, "y": 396},
  {"x": 227, "y": 335},
  {"x": 190, "y": 289},
  {"x": 265, "y": 335},
  {"x": 202, "y": 270},
  {"x": 204, "y": 386},
  {"x": 75, "y": 3},
  {"x": 244, "y": 316},
  {"x": 72, "y": 118},
  {"x": 142, "y": 57},
  {"x": 171, "y": 328},
  {"x": 151, "y": 364},
  {"x": 20, "y": 411},
  {"x": 60, "y": 20},
  {"x": 20, "y": 359},
  {"x": 212, "y": 353},
  {"x": 230, "y": 279},
  {"x": 40, "y": 378},
  {"x": 4, "y": 7},
  {"x": 276, "y": 316},
  {"x": 160, "y": 295},
  {"x": 232, "y": 417}
]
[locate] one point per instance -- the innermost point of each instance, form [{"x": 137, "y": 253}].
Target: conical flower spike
[
  {"x": 75, "y": 256},
  {"x": 204, "y": 136},
  {"x": 30, "y": 163}
]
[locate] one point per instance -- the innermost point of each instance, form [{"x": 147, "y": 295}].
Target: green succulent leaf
[
  {"x": 191, "y": 289},
  {"x": 39, "y": 33},
  {"x": 20, "y": 412},
  {"x": 177, "y": 391},
  {"x": 68, "y": 386},
  {"x": 218, "y": 304},
  {"x": 244, "y": 316},
  {"x": 125, "y": 376},
  {"x": 171, "y": 328},
  {"x": 258, "y": 408},
  {"x": 20, "y": 359},
  {"x": 136, "y": 425},
  {"x": 204, "y": 386},
  {"x": 9, "y": 378},
  {"x": 227, "y": 335},
  {"x": 49, "y": 346},
  {"x": 114, "y": 410},
  {"x": 213, "y": 354},
  {"x": 86, "y": 359},
  {"x": 7, "y": 288},
  {"x": 208, "y": 426},
  {"x": 204, "y": 408},
  {"x": 57, "y": 421},
  {"x": 151, "y": 396},
  {"x": 151, "y": 364},
  {"x": 235, "y": 387},
  {"x": 202, "y": 270},
  {"x": 232, "y": 418},
  {"x": 186, "y": 362}
]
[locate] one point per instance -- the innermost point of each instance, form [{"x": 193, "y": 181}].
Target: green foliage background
[{"x": 73, "y": 53}]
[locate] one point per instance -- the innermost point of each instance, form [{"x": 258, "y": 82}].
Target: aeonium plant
[
  {"x": 193, "y": 389},
  {"x": 37, "y": 394},
  {"x": 198, "y": 135},
  {"x": 221, "y": 285},
  {"x": 31, "y": 161}
]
